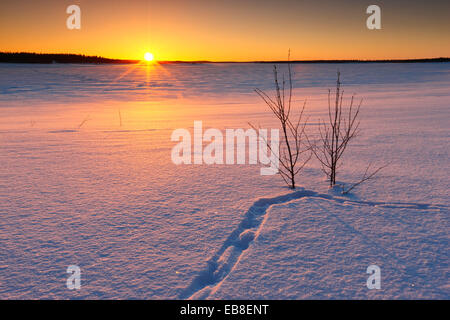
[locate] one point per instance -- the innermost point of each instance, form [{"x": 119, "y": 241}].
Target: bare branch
[{"x": 365, "y": 177}]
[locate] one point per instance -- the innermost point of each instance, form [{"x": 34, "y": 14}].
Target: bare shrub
[
  {"x": 335, "y": 134},
  {"x": 292, "y": 146}
]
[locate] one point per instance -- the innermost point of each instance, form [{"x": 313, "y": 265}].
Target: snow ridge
[{"x": 228, "y": 255}]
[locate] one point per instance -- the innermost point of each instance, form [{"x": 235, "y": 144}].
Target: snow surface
[{"x": 86, "y": 179}]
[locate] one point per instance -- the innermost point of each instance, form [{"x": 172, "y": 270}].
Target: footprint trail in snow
[{"x": 226, "y": 258}]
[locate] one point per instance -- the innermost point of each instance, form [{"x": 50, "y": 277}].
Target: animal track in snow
[{"x": 228, "y": 255}]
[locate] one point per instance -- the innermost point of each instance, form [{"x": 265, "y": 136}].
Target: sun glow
[{"x": 148, "y": 57}]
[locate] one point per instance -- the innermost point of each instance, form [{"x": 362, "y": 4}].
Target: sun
[{"x": 148, "y": 56}]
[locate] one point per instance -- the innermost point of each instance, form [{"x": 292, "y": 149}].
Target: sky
[{"x": 229, "y": 30}]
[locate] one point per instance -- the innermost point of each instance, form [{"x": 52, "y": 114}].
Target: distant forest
[
  {"x": 364, "y": 61},
  {"x": 25, "y": 57}
]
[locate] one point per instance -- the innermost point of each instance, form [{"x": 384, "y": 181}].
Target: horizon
[
  {"x": 81, "y": 55},
  {"x": 228, "y": 32}
]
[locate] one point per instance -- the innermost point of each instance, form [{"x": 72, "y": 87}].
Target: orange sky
[{"x": 231, "y": 30}]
